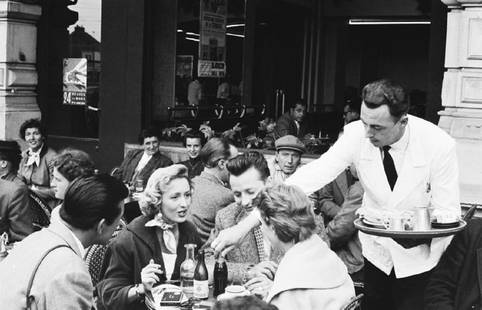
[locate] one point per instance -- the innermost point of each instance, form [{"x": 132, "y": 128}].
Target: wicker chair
[
  {"x": 95, "y": 255},
  {"x": 41, "y": 212}
]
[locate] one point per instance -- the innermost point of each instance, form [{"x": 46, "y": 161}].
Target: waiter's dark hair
[
  {"x": 387, "y": 92},
  {"x": 90, "y": 199}
]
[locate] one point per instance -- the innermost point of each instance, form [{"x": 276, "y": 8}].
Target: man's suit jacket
[
  {"x": 286, "y": 126},
  {"x": 62, "y": 280},
  {"x": 456, "y": 282},
  {"x": 429, "y": 176},
  {"x": 128, "y": 167},
  {"x": 248, "y": 251},
  {"x": 16, "y": 211},
  {"x": 332, "y": 195}
]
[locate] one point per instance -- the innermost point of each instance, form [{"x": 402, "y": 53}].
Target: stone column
[
  {"x": 462, "y": 92},
  {"x": 18, "y": 75}
]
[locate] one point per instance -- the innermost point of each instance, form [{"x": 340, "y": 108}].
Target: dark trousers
[{"x": 384, "y": 292}]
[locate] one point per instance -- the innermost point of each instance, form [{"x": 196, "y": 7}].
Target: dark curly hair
[
  {"x": 72, "y": 163},
  {"x": 32, "y": 123}
]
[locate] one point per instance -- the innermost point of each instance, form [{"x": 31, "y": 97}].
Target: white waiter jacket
[{"x": 427, "y": 176}]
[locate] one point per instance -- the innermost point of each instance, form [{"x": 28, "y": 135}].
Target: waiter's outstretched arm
[{"x": 309, "y": 178}]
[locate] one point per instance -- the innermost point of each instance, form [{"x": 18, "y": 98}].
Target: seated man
[
  {"x": 193, "y": 142},
  {"x": 248, "y": 175},
  {"x": 291, "y": 123},
  {"x": 456, "y": 281},
  {"x": 287, "y": 159},
  {"x": 89, "y": 215},
  {"x": 338, "y": 203},
  {"x": 211, "y": 192},
  {"x": 16, "y": 212},
  {"x": 139, "y": 164}
]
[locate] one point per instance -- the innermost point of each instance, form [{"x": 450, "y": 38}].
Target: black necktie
[{"x": 389, "y": 167}]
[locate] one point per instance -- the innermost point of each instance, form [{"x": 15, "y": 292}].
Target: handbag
[{"x": 29, "y": 299}]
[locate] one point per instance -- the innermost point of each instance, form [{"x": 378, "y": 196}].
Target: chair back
[
  {"x": 354, "y": 303},
  {"x": 41, "y": 211},
  {"x": 95, "y": 256}
]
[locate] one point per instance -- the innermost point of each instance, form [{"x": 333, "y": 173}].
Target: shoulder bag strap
[{"x": 30, "y": 299}]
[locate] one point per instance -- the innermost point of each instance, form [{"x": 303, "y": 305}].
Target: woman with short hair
[
  {"x": 310, "y": 275},
  {"x": 151, "y": 249},
  {"x": 36, "y": 165},
  {"x": 67, "y": 166}
]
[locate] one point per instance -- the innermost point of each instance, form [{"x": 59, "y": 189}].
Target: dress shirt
[
  {"x": 143, "y": 161},
  {"x": 398, "y": 149}
]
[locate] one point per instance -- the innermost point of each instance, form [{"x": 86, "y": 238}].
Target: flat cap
[{"x": 290, "y": 142}]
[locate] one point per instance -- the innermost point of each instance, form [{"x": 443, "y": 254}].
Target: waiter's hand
[
  {"x": 411, "y": 243},
  {"x": 226, "y": 240}
]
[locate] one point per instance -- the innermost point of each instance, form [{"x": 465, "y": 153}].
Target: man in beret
[
  {"x": 16, "y": 213},
  {"x": 288, "y": 158}
]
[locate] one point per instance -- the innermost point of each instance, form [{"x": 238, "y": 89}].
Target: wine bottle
[
  {"x": 201, "y": 282},
  {"x": 220, "y": 276},
  {"x": 187, "y": 270}
]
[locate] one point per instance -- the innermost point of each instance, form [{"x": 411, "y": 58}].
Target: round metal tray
[{"x": 409, "y": 234}]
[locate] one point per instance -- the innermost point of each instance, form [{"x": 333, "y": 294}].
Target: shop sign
[
  {"x": 212, "y": 40},
  {"x": 75, "y": 81}
]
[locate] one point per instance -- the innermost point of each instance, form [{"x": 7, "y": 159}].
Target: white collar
[{"x": 402, "y": 143}]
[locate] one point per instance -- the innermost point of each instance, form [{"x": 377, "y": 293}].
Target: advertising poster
[
  {"x": 212, "y": 41},
  {"x": 75, "y": 81}
]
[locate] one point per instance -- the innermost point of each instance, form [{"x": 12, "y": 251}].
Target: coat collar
[
  {"x": 148, "y": 235},
  {"x": 414, "y": 162},
  {"x": 58, "y": 228},
  {"x": 212, "y": 178},
  {"x": 317, "y": 260}
]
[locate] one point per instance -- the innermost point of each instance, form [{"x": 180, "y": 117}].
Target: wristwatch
[{"x": 139, "y": 289}]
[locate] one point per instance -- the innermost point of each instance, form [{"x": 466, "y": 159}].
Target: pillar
[
  {"x": 462, "y": 92},
  {"x": 18, "y": 74}
]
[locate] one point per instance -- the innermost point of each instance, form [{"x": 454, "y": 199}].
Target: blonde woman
[
  {"x": 310, "y": 275},
  {"x": 151, "y": 249}
]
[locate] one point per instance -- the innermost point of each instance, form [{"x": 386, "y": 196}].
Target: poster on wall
[
  {"x": 75, "y": 81},
  {"x": 212, "y": 40},
  {"x": 184, "y": 66}
]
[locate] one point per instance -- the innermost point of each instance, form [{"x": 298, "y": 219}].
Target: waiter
[{"x": 403, "y": 162}]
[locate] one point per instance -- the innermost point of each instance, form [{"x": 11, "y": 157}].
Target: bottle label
[{"x": 201, "y": 289}]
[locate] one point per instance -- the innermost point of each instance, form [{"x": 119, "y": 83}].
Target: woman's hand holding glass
[{"x": 149, "y": 275}]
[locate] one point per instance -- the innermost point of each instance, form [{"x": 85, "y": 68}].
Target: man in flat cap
[
  {"x": 16, "y": 213},
  {"x": 288, "y": 158}
]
